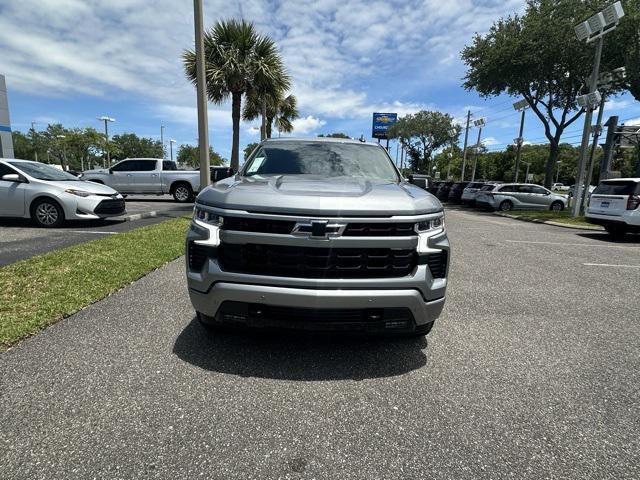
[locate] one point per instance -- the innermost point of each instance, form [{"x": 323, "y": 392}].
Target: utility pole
[
  {"x": 171, "y": 142},
  {"x": 452, "y": 134},
  {"x": 201, "y": 82},
  {"x": 596, "y": 135},
  {"x": 526, "y": 179},
  {"x": 558, "y": 163},
  {"x": 35, "y": 141},
  {"x": 397, "y": 148},
  {"x": 609, "y": 147},
  {"x": 464, "y": 149},
  {"x": 520, "y": 105},
  {"x": 475, "y": 161}
]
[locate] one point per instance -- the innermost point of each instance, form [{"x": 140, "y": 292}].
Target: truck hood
[{"x": 318, "y": 195}]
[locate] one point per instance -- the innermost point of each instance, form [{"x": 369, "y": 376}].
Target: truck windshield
[
  {"x": 322, "y": 158},
  {"x": 43, "y": 172}
]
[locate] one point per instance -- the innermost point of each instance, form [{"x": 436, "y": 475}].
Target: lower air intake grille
[
  {"x": 197, "y": 255},
  {"x": 306, "y": 262},
  {"x": 438, "y": 264}
]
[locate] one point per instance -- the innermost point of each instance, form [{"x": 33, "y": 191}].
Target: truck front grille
[
  {"x": 285, "y": 227},
  {"x": 308, "y": 262}
]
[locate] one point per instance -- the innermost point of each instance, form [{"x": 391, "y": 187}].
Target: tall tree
[
  {"x": 249, "y": 148},
  {"x": 538, "y": 57},
  {"x": 238, "y": 60},
  {"x": 422, "y": 133},
  {"x": 190, "y": 155},
  {"x": 279, "y": 109}
]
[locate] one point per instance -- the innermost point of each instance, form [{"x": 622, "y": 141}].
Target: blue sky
[{"x": 70, "y": 61}]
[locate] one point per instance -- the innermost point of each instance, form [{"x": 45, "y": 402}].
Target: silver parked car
[
  {"x": 524, "y": 196},
  {"x": 318, "y": 234},
  {"x": 50, "y": 196},
  {"x": 471, "y": 191}
]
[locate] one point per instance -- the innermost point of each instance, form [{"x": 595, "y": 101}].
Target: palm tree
[
  {"x": 238, "y": 61},
  {"x": 283, "y": 110}
]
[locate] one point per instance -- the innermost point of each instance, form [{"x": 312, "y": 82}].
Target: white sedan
[{"x": 50, "y": 196}]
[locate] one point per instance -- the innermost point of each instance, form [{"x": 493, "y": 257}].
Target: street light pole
[
  {"x": 35, "y": 140},
  {"x": 203, "y": 129},
  {"x": 558, "y": 171},
  {"x": 520, "y": 105},
  {"x": 595, "y": 28},
  {"x": 594, "y": 146},
  {"x": 106, "y": 121},
  {"x": 162, "y": 139},
  {"x": 475, "y": 161},
  {"x": 464, "y": 149}
]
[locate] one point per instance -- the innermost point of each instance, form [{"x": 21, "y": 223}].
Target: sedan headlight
[{"x": 78, "y": 193}]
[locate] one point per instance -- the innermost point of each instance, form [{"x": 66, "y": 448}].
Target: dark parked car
[
  {"x": 455, "y": 194},
  {"x": 219, "y": 173},
  {"x": 419, "y": 180},
  {"x": 433, "y": 188},
  {"x": 443, "y": 191}
]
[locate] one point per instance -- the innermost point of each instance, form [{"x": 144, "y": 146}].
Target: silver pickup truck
[
  {"x": 318, "y": 234},
  {"x": 148, "y": 176}
]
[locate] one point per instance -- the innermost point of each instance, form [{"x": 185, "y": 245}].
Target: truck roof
[{"x": 318, "y": 139}]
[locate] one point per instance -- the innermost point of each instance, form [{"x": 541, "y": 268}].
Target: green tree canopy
[
  {"x": 130, "y": 145},
  {"x": 279, "y": 109},
  {"x": 538, "y": 57},
  {"x": 422, "y": 133},
  {"x": 238, "y": 61},
  {"x": 190, "y": 155}
]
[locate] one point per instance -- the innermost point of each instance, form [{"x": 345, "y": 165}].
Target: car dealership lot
[
  {"x": 531, "y": 372},
  {"x": 19, "y": 239}
]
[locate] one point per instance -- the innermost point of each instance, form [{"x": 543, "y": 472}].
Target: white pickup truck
[{"x": 148, "y": 176}]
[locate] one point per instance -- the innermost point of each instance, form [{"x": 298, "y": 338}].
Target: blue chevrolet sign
[{"x": 382, "y": 122}]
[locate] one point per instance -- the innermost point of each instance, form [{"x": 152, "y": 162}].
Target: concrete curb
[
  {"x": 550, "y": 222},
  {"x": 138, "y": 216}
]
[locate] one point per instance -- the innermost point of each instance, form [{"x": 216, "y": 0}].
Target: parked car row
[{"x": 498, "y": 196}]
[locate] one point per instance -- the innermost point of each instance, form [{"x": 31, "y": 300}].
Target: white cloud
[
  {"x": 306, "y": 125},
  {"x": 633, "y": 121},
  {"x": 490, "y": 141}
]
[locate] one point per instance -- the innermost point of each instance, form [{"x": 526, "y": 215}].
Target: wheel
[
  {"x": 557, "y": 206},
  {"x": 182, "y": 193},
  {"x": 616, "y": 231},
  {"x": 506, "y": 206},
  {"x": 47, "y": 213}
]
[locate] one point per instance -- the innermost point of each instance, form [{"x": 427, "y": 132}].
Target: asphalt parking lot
[
  {"x": 531, "y": 372},
  {"x": 19, "y": 239}
]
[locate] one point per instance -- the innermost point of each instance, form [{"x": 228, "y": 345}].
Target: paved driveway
[{"x": 532, "y": 372}]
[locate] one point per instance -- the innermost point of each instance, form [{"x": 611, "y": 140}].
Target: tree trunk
[
  {"x": 269, "y": 123},
  {"x": 554, "y": 151},
  {"x": 263, "y": 126},
  {"x": 236, "y": 103}
]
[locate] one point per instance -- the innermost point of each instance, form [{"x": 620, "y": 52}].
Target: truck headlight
[
  {"x": 207, "y": 225},
  {"x": 430, "y": 225},
  {"x": 207, "y": 217},
  {"x": 77, "y": 193}
]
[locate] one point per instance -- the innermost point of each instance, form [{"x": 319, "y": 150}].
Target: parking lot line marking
[
  {"x": 92, "y": 231},
  {"x": 609, "y": 265},
  {"x": 572, "y": 244},
  {"x": 482, "y": 219}
]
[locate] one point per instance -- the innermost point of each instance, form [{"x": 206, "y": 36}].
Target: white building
[{"x": 6, "y": 142}]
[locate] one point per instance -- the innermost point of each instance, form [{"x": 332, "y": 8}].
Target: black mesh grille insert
[
  {"x": 110, "y": 207},
  {"x": 438, "y": 264},
  {"x": 197, "y": 255},
  {"x": 258, "y": 225},
  {"x": 306, "y": 262},
  {"x": 379, "y": 230}
]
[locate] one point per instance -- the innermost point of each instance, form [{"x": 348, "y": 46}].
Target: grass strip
[
  {"x": 40, "y": 291},
  {"x": 563, "y": 216}
]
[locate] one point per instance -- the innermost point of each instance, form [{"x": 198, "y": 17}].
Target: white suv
[{"x": 615, "y": 205}]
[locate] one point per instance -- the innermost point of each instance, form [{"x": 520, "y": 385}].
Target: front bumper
[
  {"x": 93, "y": 207},
  {"x": 420, "y": 292}
]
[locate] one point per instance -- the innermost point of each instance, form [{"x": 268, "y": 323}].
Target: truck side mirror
[
  {"x": 110, "y": 171},
  {"x": 411, "y": 179}
]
